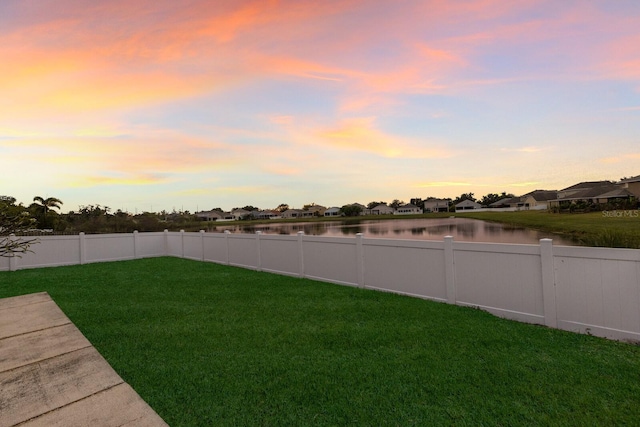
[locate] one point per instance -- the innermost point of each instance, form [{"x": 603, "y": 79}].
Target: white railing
[{"x": 587, "y": 290}]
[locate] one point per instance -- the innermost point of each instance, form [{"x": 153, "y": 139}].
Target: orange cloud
[
  {"x": 443, "y": 184},
  {"x": 620, "y": 158},
  {"x": 360, "y": 134}
]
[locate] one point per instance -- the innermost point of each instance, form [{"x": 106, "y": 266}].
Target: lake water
[{"x": 462, "y": 229}]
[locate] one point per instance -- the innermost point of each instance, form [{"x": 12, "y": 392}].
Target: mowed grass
[
  {"x": 208, "y": 344},
  {"x": 588, "y": 229}
]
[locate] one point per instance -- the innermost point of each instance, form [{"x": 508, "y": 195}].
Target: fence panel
[
  {"x": 52, "y": 251},
  {"x": 503, "y": 279},
  {"x": 598, "y": 291},
  {"x": 174, "y": 244},
  {"x": 243, "y": 250},
  {"x": 407, "y": 267},
  {"x": 280, "y": 254},
  {"x": 109, "y": 247},
  {"x": 192, "y": 244},
  {"x": 150, "y": 245},
  {"x": 332, "y": 259},
  {"x": 215, "y": 248}
]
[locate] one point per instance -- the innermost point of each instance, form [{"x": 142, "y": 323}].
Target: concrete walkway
[{"x": 50, "y": 374}]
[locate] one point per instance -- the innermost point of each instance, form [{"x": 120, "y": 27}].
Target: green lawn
[{"x": 213, "y": 345}]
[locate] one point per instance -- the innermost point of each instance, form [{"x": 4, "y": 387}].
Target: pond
[{"x": 462, "y": 229}]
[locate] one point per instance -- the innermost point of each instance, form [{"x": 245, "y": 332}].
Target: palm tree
[{"x": 45, "y": 205}]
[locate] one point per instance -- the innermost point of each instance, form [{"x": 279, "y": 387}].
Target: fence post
[
  {"x": 13, "y": 260},
  {"x": 301, "y": 253},
  {"x": 548, "y": 283},
  {"x": 136, "y": 244},
  {"x": 449, "y": 269},
  {"x": 166, "y": 242},
  {"x": 226, "y": 244},
  {"x": 202, "y": 241},
  {"x": 259, "y": 250},
  {"x": 360, "y": 259},
  {"x": 182, "y": 242},
  {"x": 83, "y": 248}
]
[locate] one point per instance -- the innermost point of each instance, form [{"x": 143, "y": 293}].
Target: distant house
[
  {"x": 507, "y": 202},
  {"x": 266, "y": 214},
  {"x": 466, "y": 205},
  {"x": 595, "y": 192},
  {"x": 584, "y": 190},
  {"x": 407, "y": 209},
  {"x": 215, "y": 215},
  {"x": 632, "y": 185},
  {"x": 334, "y": 211},
  {"x": 381, "y": 209},
  {"x": 316, "y": 210},
  {"x": 209, "y": 215},
  {"x": 291, "y": 213},
  {"x": 538, "y": 199},
  {"x": 239, "y": 214},
  {"x": 436, "y": 205}
]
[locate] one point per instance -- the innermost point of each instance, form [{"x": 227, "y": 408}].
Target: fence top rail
[
  {"x": 280, "y": 237},
  {"x": 109, "y": 236},
  {"x": 347, "y": 240},
  {"x": 617, "y": 254},
  {"x": 404, "y": 243},
  {"x": 508, "y": 248}
]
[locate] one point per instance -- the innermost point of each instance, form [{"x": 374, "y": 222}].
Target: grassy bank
[
  {"x": 588, "y": 229},
  {"x": 207, "y": 344}
]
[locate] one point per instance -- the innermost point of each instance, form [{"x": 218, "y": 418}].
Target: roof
[
  {"x": 608, "y": 190},
  {"x": 587, "y": 184},
  {"x": 632, "y": 179},
  {"x": 506, "y": 201},
  {"x": 468, "y": 203},
  {"x": 542, "y": 195}
]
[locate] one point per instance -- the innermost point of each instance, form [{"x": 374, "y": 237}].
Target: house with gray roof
[
  {"x": 538, "y": 199},
  {"x": 632, "y": 185},
  {"x": 381, "y": 209},
  {"x": 436, "y": 205},
  {"x": 466, "y": 205},
  {"x": 408, "y": 209},
  {"x": 593, "y": 192}
]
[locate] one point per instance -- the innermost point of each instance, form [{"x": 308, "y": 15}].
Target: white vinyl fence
[{"x": 580, "y": 289}]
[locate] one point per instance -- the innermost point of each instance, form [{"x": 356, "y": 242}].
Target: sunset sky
[{"x": 145, "y": 105}]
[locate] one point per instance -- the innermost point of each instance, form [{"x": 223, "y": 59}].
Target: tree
[
  {"x": 282, "y": 207},
  {"x": 493, "y": 197},
  {"x": 44, "y": 206},
  {"x": 14, "y": 219},
  {"x": 418, "y": 202},
  {"x": 351, "y": 210},
  {"x": 396, "y": 203},
  {"x": 463, "y": 197}
]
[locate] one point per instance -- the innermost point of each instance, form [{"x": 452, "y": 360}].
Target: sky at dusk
[{"x": 149, "y": 105}]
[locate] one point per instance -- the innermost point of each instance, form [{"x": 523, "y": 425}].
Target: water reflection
[{"x": 462, "y": 229}]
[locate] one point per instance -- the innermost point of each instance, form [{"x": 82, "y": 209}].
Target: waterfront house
[
  {"x": 381, "y": 209},
  {"x": 466, "y": 205},
  {"x": 407, "y": 209},
  {"x": 333, "y": 211},
  {"x": 436, "y": 205}
]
